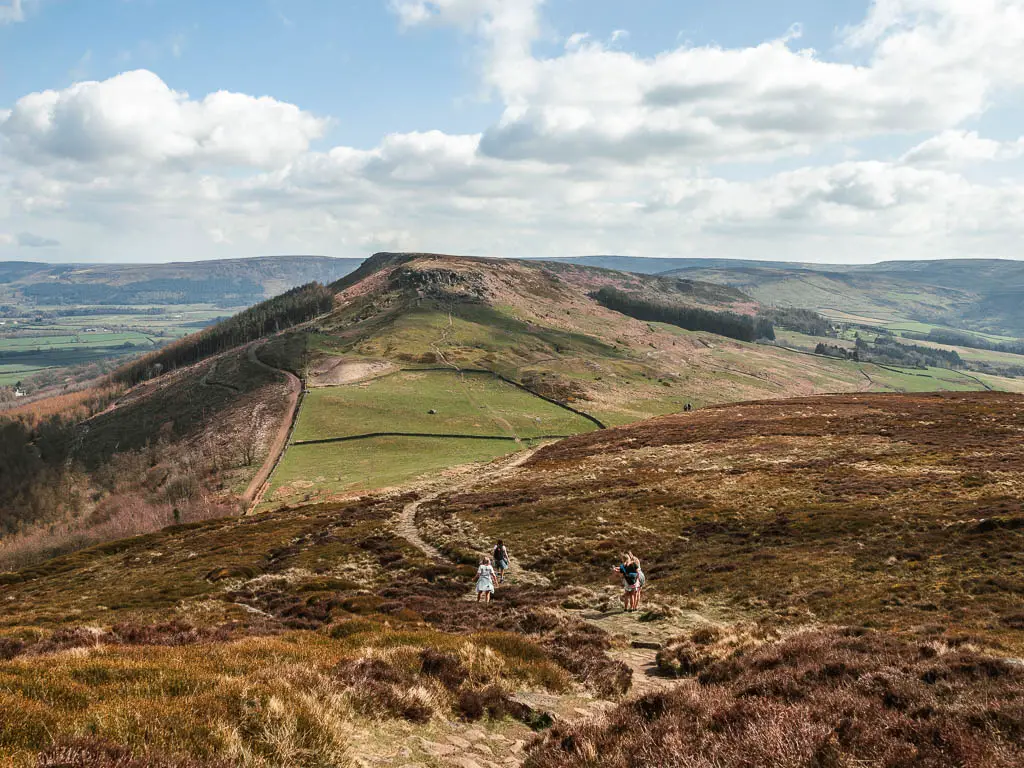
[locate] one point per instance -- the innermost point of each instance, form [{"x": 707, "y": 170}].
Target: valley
[{"x": 84, "y": 317}]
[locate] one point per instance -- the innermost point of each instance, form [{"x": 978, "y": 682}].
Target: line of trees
[
  {"x": 963, "y": 339},
  {"x": 804, "y": 321},
  {"x": 741, "y": 327},
  {"x": 834, "y": 350},
  {"x": 887, "y": 351},
  {"x": 280, "y": 313}
]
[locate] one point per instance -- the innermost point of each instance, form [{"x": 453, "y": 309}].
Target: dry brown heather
[
  {"x": 839, "y": 698},
  {"x": 273, "y": 640},
  {"x": 887, "y": 511},
  {"x": 311, "y": 636}
]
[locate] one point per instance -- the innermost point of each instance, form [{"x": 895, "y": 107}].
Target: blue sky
[
  {"x": 348, "y": 58},
  {"x": 846, "y": 130}
]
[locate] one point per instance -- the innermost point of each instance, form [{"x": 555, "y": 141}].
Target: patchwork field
[
  {"x": 53, "y": 338},
  {"x": 317, "y": 472}
]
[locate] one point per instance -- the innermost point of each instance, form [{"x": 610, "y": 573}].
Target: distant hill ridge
[
  {"x": 224, "y": 282},
  {"x": 985, "y": 295}
]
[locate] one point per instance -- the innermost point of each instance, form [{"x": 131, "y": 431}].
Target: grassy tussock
[
  {"x": 691, "y": 654},
  {"x": 182, "y": 693},
  {"x": 259, "y": 702}
]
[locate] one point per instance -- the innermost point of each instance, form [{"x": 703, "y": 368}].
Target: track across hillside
[{"x": 254, "y": 492}]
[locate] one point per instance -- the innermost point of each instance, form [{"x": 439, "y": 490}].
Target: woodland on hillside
[
  {"x": 266, "y": 318},
  {"x": 730, "y": 324}
]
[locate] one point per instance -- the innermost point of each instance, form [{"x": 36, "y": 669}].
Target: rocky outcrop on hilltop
[{"x": 439, "y": 283}]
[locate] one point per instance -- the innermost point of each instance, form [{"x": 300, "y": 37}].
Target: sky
[{"x": 834, "y": 132}]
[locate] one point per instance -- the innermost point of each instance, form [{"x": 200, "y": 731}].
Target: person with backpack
[
  {"x": 484, "y": 580},
  {"x": 501, "y": 560},
  {"x": 629, "y": 570},
  {"x": 641, "y": 581}
]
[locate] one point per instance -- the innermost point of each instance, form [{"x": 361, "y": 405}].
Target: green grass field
[
  {"x": 74, "y": 341},
  {"x": 42, "y": 340},
  {"x": 319, "y": 471},
  {"x": 900, "y": 326},
  {"x": 914, "y": 380},
  {"x": 13, "y": 373},
  {"x": 465, "y": 404}
]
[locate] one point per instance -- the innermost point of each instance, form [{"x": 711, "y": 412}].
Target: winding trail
[
  {"x": 254, "y": 493},
  {"x": 205, "y": 380},
  {"x": 405, "y": 522},
  {"x": 639, "y": 641}
]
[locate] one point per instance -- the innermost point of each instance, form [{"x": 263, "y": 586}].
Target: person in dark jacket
[{"x": 501, "y": 560}]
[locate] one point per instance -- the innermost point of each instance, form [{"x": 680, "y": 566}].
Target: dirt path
[
  {"x": 637, "y": 644},
  {"x": 254, "y": 493},
  {"x": 205, "y": 380},
  {"x": 460, "y": 477}
]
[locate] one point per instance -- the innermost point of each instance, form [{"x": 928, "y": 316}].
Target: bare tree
[{"x": 251, "y": 436}]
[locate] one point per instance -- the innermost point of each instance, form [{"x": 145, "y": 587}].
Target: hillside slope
[
  {"x": 178, "y": 448},
  {"x": 896, "y": 510},
  {"x": 414, "y": 336},
  {"x": 424, "y": 362},
  {"x": 973, "y": 294},
  {"x": 325, "y": 634}
]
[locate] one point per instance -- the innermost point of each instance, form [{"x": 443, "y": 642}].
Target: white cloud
[
  {"x": 597, "y": 150},
  {"x": 135, "y": 119},
  {"x": 11, "y": 11},
  {"x": 956, "y": 148},
  {"x": 932, "y": 64}
]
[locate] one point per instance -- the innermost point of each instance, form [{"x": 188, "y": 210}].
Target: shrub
[
  {"x": 818, "y": 698},
  {"x": 445, "y": 667},
  {"x": 10, "y": 647},
  {"x": 379, "y": 684},
  {"x": 490, "y": 701},
  {"x": 692, "y": 654}
]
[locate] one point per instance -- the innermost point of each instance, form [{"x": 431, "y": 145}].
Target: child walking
[{"x": 484, "y": 581}]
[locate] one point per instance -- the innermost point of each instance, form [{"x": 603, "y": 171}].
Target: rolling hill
[
  {"x": 414, "y": 363},
  {"x": 227, "y": 282},
  {"x": 844, "y": 569},
  {"x": 972, "y": 294},
  {"x": 435, "y": 328}
]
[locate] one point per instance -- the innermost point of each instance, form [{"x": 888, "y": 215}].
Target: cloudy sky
[{"x": 840, "y": 131}]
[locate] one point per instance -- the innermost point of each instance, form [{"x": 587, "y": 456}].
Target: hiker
[
  {"x": 484, "y": 580},
  {"x": 641, "y": 581},
  {"x": 630, "y": 573},
  {"x": 501, "y": 560}
]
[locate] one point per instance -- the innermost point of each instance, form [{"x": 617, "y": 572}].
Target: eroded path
[
  {"x": 637, "y": 644},
  {"x": 453, "y": 480}
]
